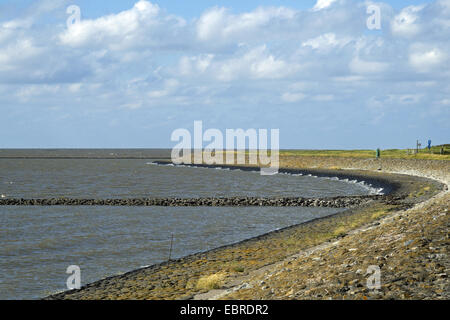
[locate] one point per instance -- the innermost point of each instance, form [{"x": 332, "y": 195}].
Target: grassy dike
[
  {"x": 433, "y": 154},
  {"x": 270, "y": 266}
]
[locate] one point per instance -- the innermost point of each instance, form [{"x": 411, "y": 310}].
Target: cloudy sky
[{"x": 129, "y": 73}]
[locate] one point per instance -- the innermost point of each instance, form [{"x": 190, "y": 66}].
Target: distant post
[
  {"x": 418, "y": 145},
  {"x": 171, "y": 245}
]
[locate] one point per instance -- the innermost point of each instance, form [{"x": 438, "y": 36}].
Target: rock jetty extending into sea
[{"x": 331, "y": 202}]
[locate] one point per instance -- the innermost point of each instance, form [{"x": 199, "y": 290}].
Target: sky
[{"x": 129, "y": 73}]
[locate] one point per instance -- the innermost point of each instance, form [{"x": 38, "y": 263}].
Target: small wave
[{"x": 372, "y": 190}]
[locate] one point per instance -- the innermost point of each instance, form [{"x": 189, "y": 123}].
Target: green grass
[{"x": 433, "y": 154}]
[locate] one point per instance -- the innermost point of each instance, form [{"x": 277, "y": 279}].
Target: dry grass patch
[
  {"x": 238, "y": 269},
  {"x": 234, "y": 267},
  {"x": 340, "y": 231},
  {"x": 212, "y": 281},
  {"x": 379, "y": 214}
]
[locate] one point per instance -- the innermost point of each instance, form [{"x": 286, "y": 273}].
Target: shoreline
[
  {"x": 369, "y": 182},
  {"x": 410, "y": 247},
  {"x": 178, "y": 279}
]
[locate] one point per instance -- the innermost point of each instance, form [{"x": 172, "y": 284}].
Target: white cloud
[
  {"x": 303, "y": 85},
  {"x": 211, "y": 23},
  {"x": 324, "y": 97},
  {"x": 395, "y": 99},
  {"x": 323, "y": 4},
  {"x": 269, "y": 67},
  {"x": 293, "y": 97},
  {"x": 424, "y": 59},
  {"x": 195, "y": 65},
  {"x": 406, "y": 98},
  {"x": 257, "y": 63},
  {"x": 28, "y": 92},
  {"x": 360, "y": 66},
  {"x": 169, "y": 87},
  {"x": 326, "y": 41},
  {"x": 75, "y": 87},
  {"x": 133, "y": 105},
  {"x": 218, "y": 24},
  {"x": 118, "y": 25},
  {"x": 142, "y": 25},
  {"x": 347, "y": 79},
  {"x": 405, "y": 23},
  {"x": 15, "y": 53}
]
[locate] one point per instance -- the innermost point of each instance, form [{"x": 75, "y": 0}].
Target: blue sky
[{"x": 131, "y": 72}]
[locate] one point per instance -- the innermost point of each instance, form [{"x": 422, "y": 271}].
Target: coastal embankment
[
  {"x": 406, "y": 236},
  {"x": 410, "y": 248}
]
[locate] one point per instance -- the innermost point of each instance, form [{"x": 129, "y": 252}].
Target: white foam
[{"x": 372, "y": 190}]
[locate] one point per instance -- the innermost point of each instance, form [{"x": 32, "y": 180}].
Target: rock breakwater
[{"x": 330, "y": 202}]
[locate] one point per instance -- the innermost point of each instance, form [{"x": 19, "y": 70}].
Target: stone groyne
[{"x": 331, "y": 202}]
